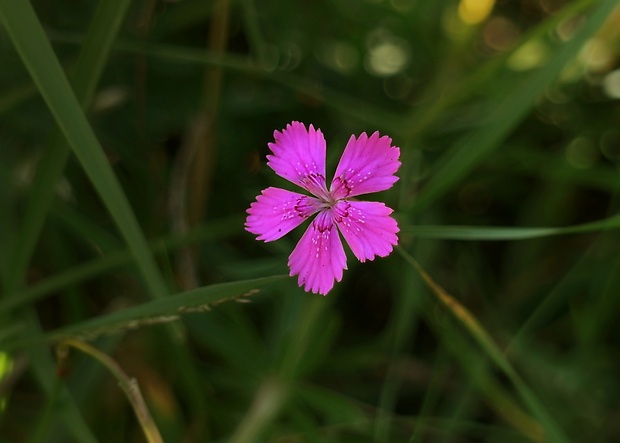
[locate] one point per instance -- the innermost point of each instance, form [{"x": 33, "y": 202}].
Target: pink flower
[{"x": 367, "y": 165}]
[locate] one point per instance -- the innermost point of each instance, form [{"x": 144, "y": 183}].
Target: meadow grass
[{"x": 133, "y": 138}]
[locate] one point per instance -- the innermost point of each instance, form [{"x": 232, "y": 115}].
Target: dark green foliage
[{"x": 507, "y": 198}]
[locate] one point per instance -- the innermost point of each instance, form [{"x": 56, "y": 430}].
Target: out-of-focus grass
[{"x": 508, "y": 129}]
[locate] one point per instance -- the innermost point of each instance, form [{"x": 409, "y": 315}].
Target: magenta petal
[
  {"x": 367, "y": 227},
  {"x": 277, "y": 211},
  {"x": 367, "y": 165},
  {"x": 299, "y": 156},
  {"x": 319, "y": 257}
]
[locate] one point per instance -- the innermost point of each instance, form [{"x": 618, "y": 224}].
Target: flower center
[{"x": 315, "y": 183}]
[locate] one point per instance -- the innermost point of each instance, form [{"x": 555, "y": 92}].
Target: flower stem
[{"x": 128, "y": 385}]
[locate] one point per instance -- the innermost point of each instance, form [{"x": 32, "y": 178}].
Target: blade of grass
[
  {"x": 268, "y": 402},
  {"x": 472, "y": 149},
  {"x": 258, "y": 46},
  {"x": 551, "y": 429},
  {"x": 489, "y": 233},
  {"x": 599, "y": 316},
  {"x": 45, "y": 420},
  {"x": 113, "y": 260},
  {"x": 35, "y": 50},
  {"x": 494, "y": 233},
  {"x": 480, "y": 374},
  {"x": 29, "y": 38},
  {"x": 550, "y": 166},
  {"x": 88, "y": 69},
  {"x": 271, "y": 395},
  {"x": 83, "y": 229},
  {"x": 402, "y": 328},
  {"x": 16, "y": 95},
  {"x": 128, "y": 385},
  {"x": 380, "y": 118},
  {"x": 43, "y": 368},
  {"x": 557, "y": 297},
  {"x": 424, "y": 116},
  {"x": 193, "y": 168},
  {"x": 93, "y": 56},
  {"x": 156, "y": 311}
]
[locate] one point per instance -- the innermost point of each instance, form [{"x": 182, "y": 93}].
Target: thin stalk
[
  {"x": 552, "y": 430},
  {"x": 128, "y": 385}
]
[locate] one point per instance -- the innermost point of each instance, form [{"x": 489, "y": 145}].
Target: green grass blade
[
  {"x": 93, "y": 56},
  {"x": 353, "y": 106},
  {"x": 552, "y": 430},
  {"x": 88, "y": 70},
  {"x": 478, "y": 232},
  {"x": 472, "y": 149},
  {"x": 548, "y": 166},
  {"x": 96, "y": 48},
  {"x": 561, "y": 295},
  {"x": 424, "y": 116},
  {"x": 16, "y": 95},
  {"x": 161, "y": 310},
  {"x": 44, "y": 368},
  {"x": 29, "y": 38},
  {"x": 480, "y": 372},
  {"x": 114, "y": 260},
  {"x": 491, "y": 233}
]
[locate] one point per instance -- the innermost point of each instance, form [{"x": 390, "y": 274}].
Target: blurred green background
[{"x": 133, "y": 138}]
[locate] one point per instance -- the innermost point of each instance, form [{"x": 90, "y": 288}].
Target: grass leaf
[
  {"x": 36, "y": 52},
  {"x": 478, "y": 332},
  {"x": 512, "y": 105},
  {"x": 161, "y": 310},
  {"x": 494, "y": 233}
]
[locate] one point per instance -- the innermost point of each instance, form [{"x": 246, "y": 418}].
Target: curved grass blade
[
  {"x": 114, "y": 260},
  {"x": 156, "y": 311},
  {"x": 91, "y": 61},
  {"x": 93, "y": 56},
  {"x": 551, "y": 429},
  {"x": 128, "y": 384},
  {"x": 36, "y": 52}
]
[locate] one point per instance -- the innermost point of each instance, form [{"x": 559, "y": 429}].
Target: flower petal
[
  {"x": 277, "y": 212},
  {"x": 319, "y": 257},
  {"x": 367, "y": 165},
  {"x": 299, "y": 157},
  {"x": 367, "y": 227}
]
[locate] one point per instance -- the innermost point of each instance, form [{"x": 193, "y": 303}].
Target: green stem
[
  {"x": 128, "y": 385},
  {"x": 553, "y": 431}
]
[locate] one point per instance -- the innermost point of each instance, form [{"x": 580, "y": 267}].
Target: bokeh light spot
[
  {"x": 529, "y": 56},
  {"x": 596, "y": 55},
  {"x": 339, "y": 56},
  {"x": 500, "y": 33},
  {"x": 581, "y": 153},
  {"x": 6, "y": 366},
  {"x": 610, "y": 145},
  {"x": 387, "y": 54},
  {"x": 473, "y": 12},
  {"x": 611, "y": 84}
]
